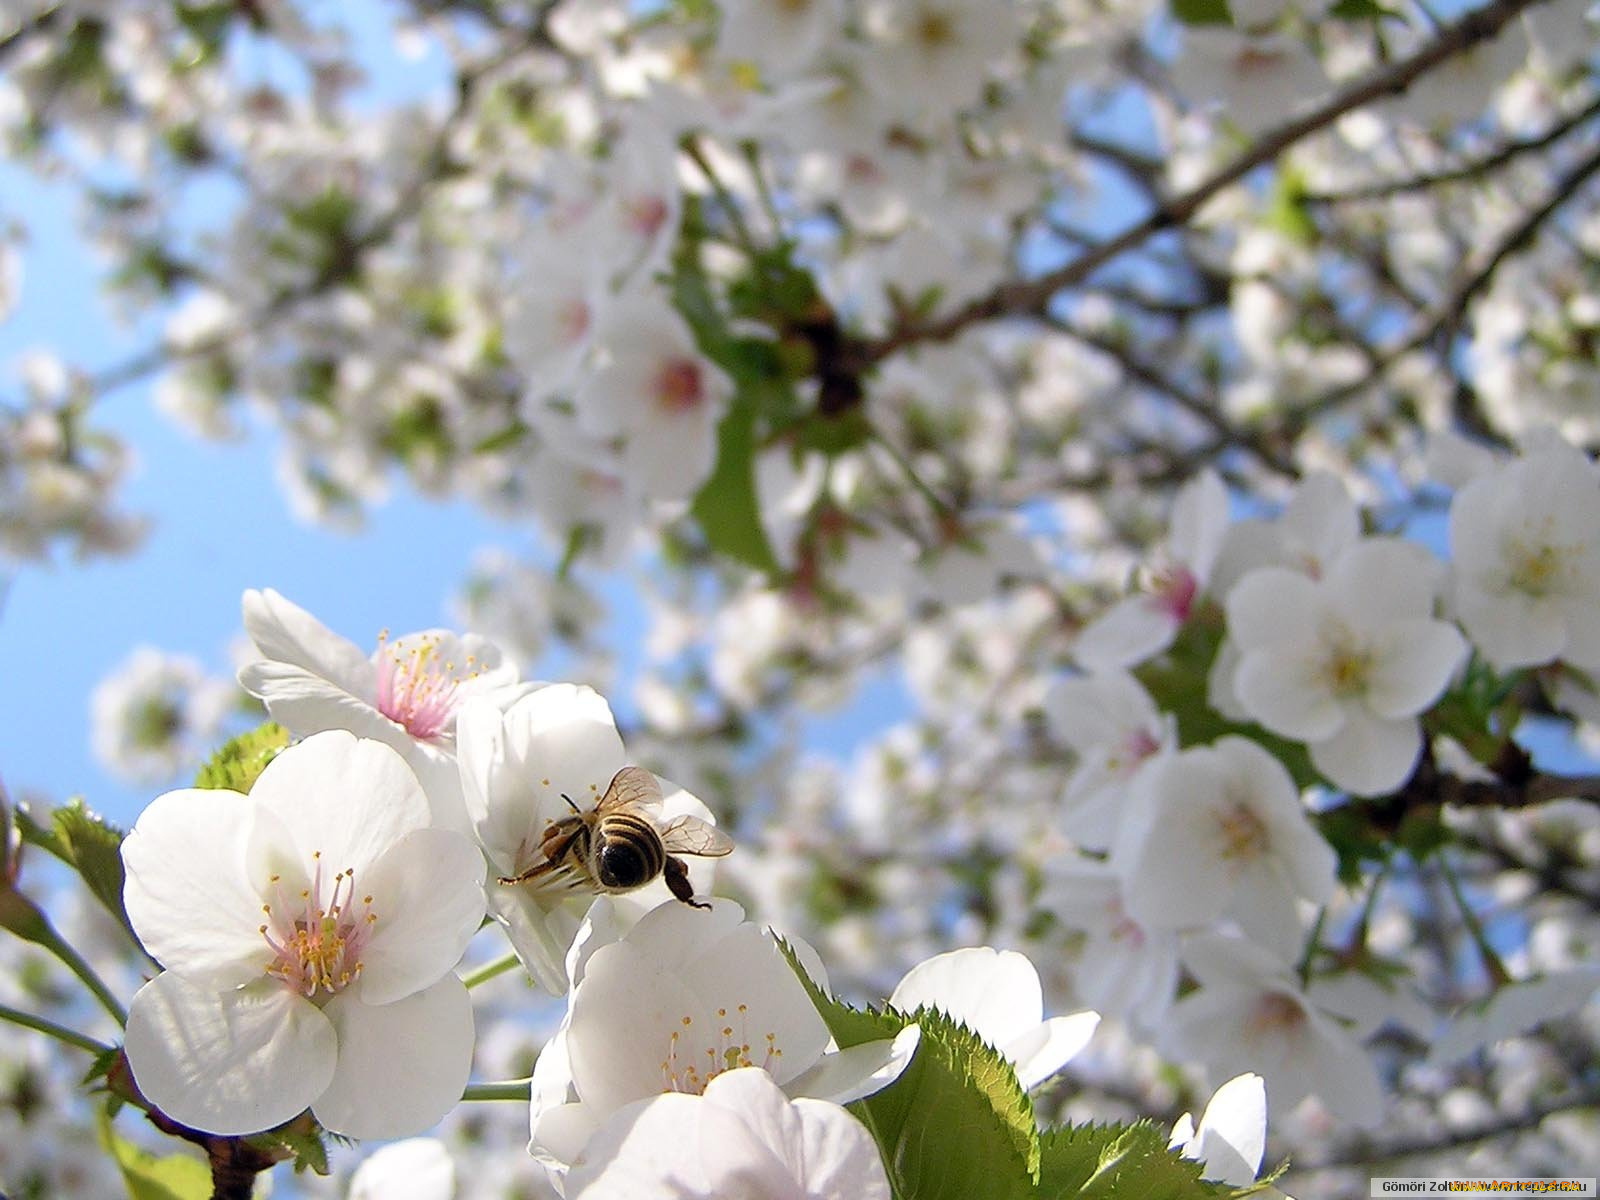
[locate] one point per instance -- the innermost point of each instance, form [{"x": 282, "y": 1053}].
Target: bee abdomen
[{"x": 631, "y": 853}]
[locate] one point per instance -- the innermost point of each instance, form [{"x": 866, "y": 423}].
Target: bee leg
[{"x": 676, "y": 874}]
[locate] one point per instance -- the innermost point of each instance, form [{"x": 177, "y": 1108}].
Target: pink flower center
[
  {"x": 417, "y": 689},
  {"x": 1276, "y": 1013},
  {"x": 1137, "y": 746},
  {"x": 679, "y": 388},
  {"x": 1173, "y": 591},
  {"x": 644, "y": 215},
  {"x": 1124, "y": 928},
  {"x": 572, "y": 322},
  {"x": 696, "y": 1056},
  {"x": 859, "y": 168},
  {"x": 317, "y": 937}
]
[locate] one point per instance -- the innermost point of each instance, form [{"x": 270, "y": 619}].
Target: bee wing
[
  {"x": 690, "y": 835},
  {"x": 631, "y": 789}
]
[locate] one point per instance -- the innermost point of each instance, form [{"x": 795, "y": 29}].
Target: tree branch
[{"x": 1032, "y": 296}]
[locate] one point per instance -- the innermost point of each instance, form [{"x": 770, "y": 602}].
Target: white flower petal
[
  {"x": 1130, "y": 631},
  {"x": 304, "y": 702},
  {"x": 347, "y": 797},
  {"x": 1342, "y": 1075},
  {"x": 1369, "y": 756},
  {"x": 428, "y": 897},
  {"x": 1233, "y": 1132},
  {"x": 1049, "y": 1046},
  {"x": 228, "y": 1062},
  {"x": 846, "y": 1075},
  {"x": 1512, "y": 629},
  {"x": 1099, "y": 710},
  {"x": 1286, "y": 696},
  {"x": 187, "y": 891},
  {"x": 1199, "y": 523},
  {"x": 1412, "y": 666},
  {"x": 1273, "y": 606},
  {"x": 654, "y": 1148},
  {"x": 285, "y": 632},
  {"x": 996, "y": 994},
  {"x": 1379, "y": 580},
  {"x": 541, "y": 929},
  {"x": 839, "y": 1155},
  {"x": 415, "y": 1169},
  {"x": 402, "y": 1066}
]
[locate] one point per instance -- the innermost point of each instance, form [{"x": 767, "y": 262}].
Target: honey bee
[{"x": 620, "y": 844}]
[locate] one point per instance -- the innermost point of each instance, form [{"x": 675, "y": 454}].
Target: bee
[{"x": 620, "y": 845}]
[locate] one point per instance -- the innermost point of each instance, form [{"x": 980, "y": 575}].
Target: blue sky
[{"x": 221, "y": 523}]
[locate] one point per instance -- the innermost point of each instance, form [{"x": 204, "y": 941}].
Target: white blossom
[
  {"x": 1345, "y": 663},
  {"x": 996, "y": 994},
  {"x": 307, "y": 929},
  {"x": 741, "y": 1137}
]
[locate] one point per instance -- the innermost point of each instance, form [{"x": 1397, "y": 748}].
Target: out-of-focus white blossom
[{"x": 158, "y": 715}]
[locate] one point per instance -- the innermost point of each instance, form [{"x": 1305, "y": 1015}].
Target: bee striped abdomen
[{"x": 630, "y": 851}]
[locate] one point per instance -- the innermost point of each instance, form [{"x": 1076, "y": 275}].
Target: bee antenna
[{"x": 570, "y": 804}]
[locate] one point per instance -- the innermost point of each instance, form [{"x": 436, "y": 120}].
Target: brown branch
[
  {"x": 1448, "y": 314},
  {"x": 1203, "y": 408},
  {"x": 1365, "y": 1152},
  {"x": 1537, "y": 789},
  {"x": 1467, "y": 171},
  {"x": 1032, "y": 296}
]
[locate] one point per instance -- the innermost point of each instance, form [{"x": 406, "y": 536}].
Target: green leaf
[
  {"x": 512, "y": 435},
  {"x": 94, "y": 848},
  {"x": 300, "y": 1140},
  {"x": 1287, "y": 211},
  {"x": 726, "y": 506},
  {"x": 1202, "y": 12},
  {"x": 1178, "y": 681},
  {"x": 1361, "y": 10},
  {"x": 1118, "y": 1162},
  {"x": 241, "y": 759},
  {"x": 956, "y": 1124},
  {"x": 175, "y": 1177}
]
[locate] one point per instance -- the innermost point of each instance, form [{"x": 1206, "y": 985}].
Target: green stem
[
  {"x": 752, "y": 156},
  {"x": 1498, "y": 975},
  {"x": 60, "y": 1032},
  {"x": 509, "y": 1089},
  {"x": 1358, "y": 938},
  {"x": 691, "y": 147},
  {"x": 1312, "y": 943},
  {"x": 81, "y": 968},
  {"x": 490, "y": 969},
  {"x": 901, "y": 461}
]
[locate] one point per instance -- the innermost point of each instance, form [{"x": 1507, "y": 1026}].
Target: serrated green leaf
[
  {"x": 300, "y": 1140},
  {"x": 1202, "y": 12},
  {"x": 94, "y": 848},
  {"x": 726, "y": 506},
  {"x": 1118, "y": 1162},
  {"x": 43, "y": 836},
  {"x": 240, "y": 760},
  {"x": 956, "y": 1124},
  {"x": 174, "y": 1177}
]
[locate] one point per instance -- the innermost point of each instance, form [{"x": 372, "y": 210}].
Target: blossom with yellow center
[
  {"x": 306, "y": 930},
  {"x": 1345, "y": 663}
]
